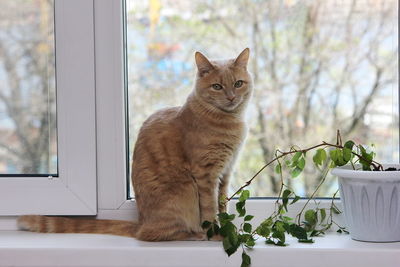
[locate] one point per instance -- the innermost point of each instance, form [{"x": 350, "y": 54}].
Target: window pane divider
[{"x": 74, "y": 191}]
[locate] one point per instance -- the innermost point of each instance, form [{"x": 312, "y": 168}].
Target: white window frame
[
  {"x": 112, "y": 187},
  {"x": 96, "y": 124},
  {"x": 73, "y": 192}
]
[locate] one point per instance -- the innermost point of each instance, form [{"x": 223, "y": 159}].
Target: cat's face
[{"x": 225, "y": 84}]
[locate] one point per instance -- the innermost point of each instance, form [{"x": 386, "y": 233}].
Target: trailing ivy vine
[{"x": 309, "y": 222}]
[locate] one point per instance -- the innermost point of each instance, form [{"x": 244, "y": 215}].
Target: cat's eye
[
  {"x": 238, "y": 84},
  {"x": 217, "y": 86}
]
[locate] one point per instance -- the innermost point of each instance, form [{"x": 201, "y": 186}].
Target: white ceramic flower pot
[{"x": 371, "y": 201}]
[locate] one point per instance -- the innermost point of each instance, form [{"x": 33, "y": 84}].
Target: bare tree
[
  {"x": 27, "y": 90},
  {"x": 317, "y": 66}
]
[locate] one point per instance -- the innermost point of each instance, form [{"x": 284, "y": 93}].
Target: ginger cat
[{"x": 182, "y": 160}]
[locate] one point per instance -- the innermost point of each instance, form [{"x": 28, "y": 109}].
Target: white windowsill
[{"x": 33, "y": 249}]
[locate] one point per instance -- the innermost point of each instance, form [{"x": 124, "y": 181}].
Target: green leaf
[
  {"x": 263, "y": 231},
  {"x": 250, "y": 242},
  {"x": 332, "y": 164},
  {"x": 230, "y": 243},
  {"x": 323, "y": 214},
  {"x": 286, "y": 193},
  {"x": 342, "y": 230},
  {"x": 295, "y": 172},
  {"x": 269, "y": 241},
  {"x": 280, "y": 236},
  {"x": 240, "y": 208},
  {"x": 311, "y": 217},
  {"x": 226, "y": 243},
  {"x": 223, "y": 216},
  {"x": 319, "y": 157},
  {"x": 301, "y": 163},
  {"x": 306, "y": 240},
  {"x": 316, "y": 233},
  {"x": 323, "y": 155},
  {"x": 280, "y": 244},
  {"x": 269, "y": 222},
  {"x": 346, "y": 154},
  {"x": 281, "y": 209},
  {"x": 285, "y": 198},
  {"x": 231, "y": 250},
  {"x": 248, "y": 217},
  {"x": 298, "y": 232},
  {"x": 279, "y": 226},
  {"x": 227, "y": 228},
  {"x": 240, "y": 205},
  {"x": 362, "y": 149},
  {"x": 296, "y": 157},
  {"x": 349, "y": 144},
  {"x": 337, "y": 157},
  {"x": 247, "y": 227},
  {"x": 278, "y": 169},
  {"x": 234, "y": 239},
  {"x": 244, "y": 195},
  {"x": 215, "y": 228},
  {"x": 295, "y": 199},
  {"x": 334, "y": 154},
  {"x": 246, "y": 261},
  {"x": 366, "y": 165},
  {"x": 286, "y": 225},
  {"x": 287, "y": 219},
  {"x": 366, "y": 159},
  {"x": 264, "y": 228},
  {"x": 206, "y": 224},
  {"x": 243, "y": 238},
  {"x": 276, "y": 243},
  {"x": 210, "y": 233}
]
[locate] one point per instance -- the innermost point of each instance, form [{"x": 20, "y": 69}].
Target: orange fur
[
  {"x": 46, "y": 224},
  {"x": 182, "y": 160}
]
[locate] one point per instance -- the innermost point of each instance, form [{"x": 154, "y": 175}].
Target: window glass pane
[
  {"x": 318, "y": 66},
  {"x": 27, "y": 88}
]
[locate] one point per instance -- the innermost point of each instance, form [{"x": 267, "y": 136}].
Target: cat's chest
[
  {"x": 215, "y": 150},
  {"x": 218, "y": 138}
]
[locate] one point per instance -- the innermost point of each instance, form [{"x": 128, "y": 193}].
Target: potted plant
[
  {"x": 371, "y": 193},
  {"x": 371, "y": 201}
]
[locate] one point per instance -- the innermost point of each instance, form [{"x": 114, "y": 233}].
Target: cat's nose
[{"x": 231, "y": 98}]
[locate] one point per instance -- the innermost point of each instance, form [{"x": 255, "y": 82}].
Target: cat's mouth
[{"x": 231, "y": 105}]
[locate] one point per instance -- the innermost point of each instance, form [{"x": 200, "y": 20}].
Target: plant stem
[
  {"x": 312, "y": 196},
  {"x": 332, "y": 204},
  {"x": 282, "y": 183},
  {"x": 272, "y": 161},
  {"x": 376, "y": 165}
]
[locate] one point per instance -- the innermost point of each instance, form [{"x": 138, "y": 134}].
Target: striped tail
[{"x": 45, "y": 224}]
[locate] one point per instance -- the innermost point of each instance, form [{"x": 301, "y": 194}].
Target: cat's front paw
[{"x": 216, "y": 238}]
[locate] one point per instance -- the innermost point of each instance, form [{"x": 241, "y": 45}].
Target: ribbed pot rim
[{"x": 348, "y": 172}]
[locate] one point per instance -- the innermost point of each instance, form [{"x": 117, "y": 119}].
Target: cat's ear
[
  {"x": 203, "y": 64},
  {"x": 242, "y": 59}
]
